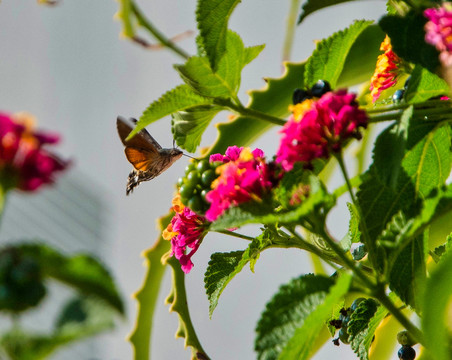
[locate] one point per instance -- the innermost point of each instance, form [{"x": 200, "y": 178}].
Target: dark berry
[
  {"x": 193, "y": 177},
  {"x": 320, "y": 87},
  {"x": 398, "y": 96},
  {"x": 186, "y": 191},
  {"x": 406, "y": 353},
  {"x": 300, "y": 95},
  {"x": 204, "y": 193}
]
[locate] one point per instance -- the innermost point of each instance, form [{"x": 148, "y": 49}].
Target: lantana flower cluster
[
  {"x": 317, "y": 128},
  {"x": 386, "y": 71},
  {"x": 186, "y": 230},
  {"x": 25, "y": 162},
  {"x": 321, "y": 130},
  {"x": 439, "y": 31}
]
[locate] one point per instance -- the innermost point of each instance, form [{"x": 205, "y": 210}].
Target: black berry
[
  {"x": 320, "y": 88},
  {"x": 398, "y": 96},
  {"x": 406, "y": 353},
  {"x": 300, "y": 95}
]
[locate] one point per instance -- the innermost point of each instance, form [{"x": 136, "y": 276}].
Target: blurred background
[{"x": 68, "y": 66}]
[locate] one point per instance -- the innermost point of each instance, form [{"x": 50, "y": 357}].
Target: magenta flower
[
  {"x": 24, "y": 162},
  {"x": 332, "y": 119},
  {"x": 186, "y": 230},
  {"x": 439, "y": 31},
  {"x": 245, "y": 176}
]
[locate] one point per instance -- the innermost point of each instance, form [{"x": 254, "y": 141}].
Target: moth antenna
[{"x": 190, "y": 156}]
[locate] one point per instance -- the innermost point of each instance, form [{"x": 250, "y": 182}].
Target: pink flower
[
  {"x": 439, "y": 31},
  {"x": 186, "y": 230},
  {"x": 24, "y": 161},
  {"x": 245, "y": 176},
  {"x": 332, "y": 119}
]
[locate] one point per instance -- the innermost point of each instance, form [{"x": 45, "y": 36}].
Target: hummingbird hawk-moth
[{"x": 146, "y": 155}]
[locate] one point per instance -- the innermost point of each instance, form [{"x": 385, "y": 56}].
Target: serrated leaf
[
  {"x": 212, "y": 17},
  {"x": 424, "y": 85},
  {"x": 359, "y": 319},
  {"x": 223, "y": 82},
  {"x": 287, "y": 311},
  {"x": 311, "y": 6},
  {"x": 251, "y": 53},
  {"x": 82, "y": 272},
  {"x": 361, "y": 341},
  {"x": 408, "y": 272},
  {"x": 328, "y": 59},
  {"x": 177, "y": 299},
  {"x": 436, "y": 311},
  {"x": 178, "y": 99},
  {"x": 188, "y": 126},
  {"x": 147, "y": 295},
  {"x": 353, "y": 234},
  {"x": 27, "y": 346},
  {"x": 407, "y": 39},
  {"x": 224, "y": 266},
  {"x": 300, "y": 346}
]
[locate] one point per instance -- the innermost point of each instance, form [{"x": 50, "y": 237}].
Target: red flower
[
  {"x": 439, "y": 31},
  {"x": 321, "y": 130},
  {"x": 24, "y": 162}
]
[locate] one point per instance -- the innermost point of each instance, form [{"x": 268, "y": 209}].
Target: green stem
[
  {"x": 234, "y": 234},
  {"x": 366, "y": 238},
  {"x": 290, "y": 29},
  {"x": 414, "y": 331},
  {"x": 241, "y": 110},
  {"x": 163, "y": 40}
]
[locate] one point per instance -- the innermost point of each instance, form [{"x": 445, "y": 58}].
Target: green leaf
[
  {"x": 311, "y": 6},
  {"x": 224, "y": 266},
  {"x": 300, "y": 346},
  {"x": 225, "y": 81},
  {"x": 83, "y": 272},
  {"x": 177, "y": 299},
  {"x": 361, "y": 340},
  {"x": 408, "y": 272},
  {"x": 212, "y": 17},
  {"x": 93, "y": 318},
  {"x": 188, "y": 126},
  {"x": 424, "y": 85},
  {"x": 359, "y": 319},
  {"x": 147, "y": 295},
  {"x": 407, "y": 39},
  {"x": 287, "y": 311},
  {"x": 178, "y": 99},
  {"x": 328, "y": 59},
  {"x": 436, "y": 311},
  {"x": 353, "y": 234}
]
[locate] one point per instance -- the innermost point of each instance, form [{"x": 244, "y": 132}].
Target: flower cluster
[
  {"x": 321, "y": 130},
  {"x": 24, "y": 162},
  {"x": 439, "y": 31},
  {"x": 187, "y": 229},
  {"x": 386, "y": 70},
  {"x": 244, "y": 176}
]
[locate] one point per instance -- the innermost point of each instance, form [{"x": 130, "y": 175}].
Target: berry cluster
[
  {"x": 196, "y": 183},
  {"x": 406, "y": 352},
  {"x": 21, "y": 284},
  {"x": 342, "y": 323},
  {"x": 320, "y": 88}
]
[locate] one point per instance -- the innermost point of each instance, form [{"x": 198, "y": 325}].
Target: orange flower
[{"x": 386, "y": 70}]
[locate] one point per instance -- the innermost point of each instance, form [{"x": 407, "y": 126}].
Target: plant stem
[
  {"x": 401, "y": 318},
  {"x": 163, "y": 40},
  {"x": 241, "y": 110},
  {"x": 234, "y": 234},
  {"x": 371, "y": 250},
  {"x": 290, "y": 29}
]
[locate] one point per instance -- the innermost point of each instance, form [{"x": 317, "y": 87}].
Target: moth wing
[
  {"x": 139, "y": 158},
  {"x": 142, "y": 139}
]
